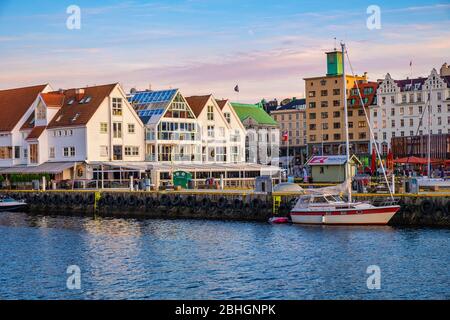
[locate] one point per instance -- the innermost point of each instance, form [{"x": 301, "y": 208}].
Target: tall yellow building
[{"x": 325, "y": 112}]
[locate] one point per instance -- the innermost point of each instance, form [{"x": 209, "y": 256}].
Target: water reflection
[{"x": 178, "y": 259}]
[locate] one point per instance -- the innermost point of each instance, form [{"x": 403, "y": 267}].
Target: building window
[
  {"x": 324, "y": 93},
  {"x": 337, "y": 125},
  {"x": 312, "y": 137},
  {"x": 51, "y": 152},
  {"x": 34, "y": 153},
  {"x": 5, "y": 153},
  {"x": 312, "y": 105},
  {"x": 211, "y": 131},
  {"x": 228, "y": 117},
  {"x": 402, "y": 123},
  {"x": 25, "y": 153},
  {"x": 362, "y": 135},
  {"x": 336, "y": 92},
  {"x": 336, "y": 114},
  {"x": 337, "y": 136},
  {"x": 69, "y": 152},
  {"x": 393, "y": 123},
  {"x": 324, "y": 115},
  {"x": 312, "y": 116},
  {"x": 312, "y": 127},
  {"x": 439, "y": 121},
  {"x": 411, "y": 122},
  {"x": 350, "y": 125},
  {"x": 132, "y": 151},
  {"x": 392, "y": 112},
  {"x": 384, "y": 136},
  {"x": 411, "y": 111},
  {"x": 336, "y": 103},
  {"x": 312, "y": 94},
  {"x": 131, "y": 128},
  {"x": 210, "y": 114},
  {"x": 103, "y": 127},
  {"x": 420, "y": 109},
  {"x": 361, "y": 124},
  {"x": 117, "y": 130},
  {"x": 103, "y": 151},
  {"x": 117, "y": 106},
  {"x": 324, "y": 104}
]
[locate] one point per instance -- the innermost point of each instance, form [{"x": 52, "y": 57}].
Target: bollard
[
  {"x": 44, "y": 184},
  {"x": 131, "y": 183},
  {"x": 221, "y": 182}
]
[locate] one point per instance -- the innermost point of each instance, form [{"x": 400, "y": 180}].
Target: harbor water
[{"x": 195, "y": 259}]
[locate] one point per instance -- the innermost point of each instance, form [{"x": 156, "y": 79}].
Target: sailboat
[{"x": 327, "y": 206}]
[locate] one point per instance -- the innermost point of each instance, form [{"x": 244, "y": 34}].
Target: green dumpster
[{"x": 181, "y": 178}]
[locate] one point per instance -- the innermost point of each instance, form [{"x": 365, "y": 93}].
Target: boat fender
[
  {"x": 67, "y": 199},
  {"x": 238, "y": 204},
  {"x": 109, "y": 200},
  {"x": 165, "y": 200},
  {"x": 190, "y": 201},
  {"x": 256, "y": 203},
  {"x": 440, "y": 211},
  {"x": 447, "y": 208},
  {"x": 91, "y": 198},
  {"x": 176, "y": 201},
  {"x": 56, "y": 199},
  {"x": 206, "y": 203},
  {"x": 149, "y": 202},
  {"x": 119, "y": 201},
  {"x": 78, "y": 199},
  {"x": 132, "y": 201},
  {"x": 426, "y": 207},
  {"x": 222, "y": 203}
]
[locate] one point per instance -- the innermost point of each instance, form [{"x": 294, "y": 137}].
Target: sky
[{"x": 210, "y": 46}]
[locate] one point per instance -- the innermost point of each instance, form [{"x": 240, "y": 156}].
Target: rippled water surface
[{"x": 181, "y": 259}]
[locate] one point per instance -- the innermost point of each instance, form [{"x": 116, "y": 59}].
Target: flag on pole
[
  {"x": 410, "y": 63},
  {"x": 236, "y": 88},
  {"x": 285, "y": 136}
]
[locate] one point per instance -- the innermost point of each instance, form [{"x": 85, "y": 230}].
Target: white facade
[
  {"x": 236, "y": 135},
  {"x": 402, "y": 104},
  {"x": 15, "y": 140}
]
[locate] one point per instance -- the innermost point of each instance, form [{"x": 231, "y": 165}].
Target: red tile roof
[
  {"x": 74, "y": 113},
  {"x": 14, "y": 103},
  {"x": 36, "y": 132},
  {"x": 53, "y": 99},
  {"x": 371, "y": 97},
  {"x": 221, "y": 103},
  {"x": 29, "y": 124},
  {"x": 197, "y": 103}
]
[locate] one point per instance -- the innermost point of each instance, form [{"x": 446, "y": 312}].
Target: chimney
[{"x": 79, "y": 94}]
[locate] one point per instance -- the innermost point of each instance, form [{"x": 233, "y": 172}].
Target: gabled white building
[
  {"x": 223, "y": 138},
  {"x": 172, "y": 130},
  {"x": 16, "y": 106},
  {"x": 402, "y": 104},
  {"x": 72, "y": 129}
]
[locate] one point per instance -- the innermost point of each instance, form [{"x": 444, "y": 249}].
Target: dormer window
[
  {"x": 87, "y": 99},
  {"x": 71, "y": 101}
]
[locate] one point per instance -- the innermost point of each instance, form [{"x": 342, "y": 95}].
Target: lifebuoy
[
  {"x": 109, "y": 199},
  {"x": 426, "y": 207}
]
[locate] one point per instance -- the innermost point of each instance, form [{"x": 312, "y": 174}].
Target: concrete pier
[{"x": 416, "y": 210}]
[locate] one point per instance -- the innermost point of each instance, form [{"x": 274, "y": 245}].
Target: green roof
[{"x": 255, "y": 111}]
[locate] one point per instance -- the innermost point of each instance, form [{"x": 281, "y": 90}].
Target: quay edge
[{"x": 416, "y": 210}]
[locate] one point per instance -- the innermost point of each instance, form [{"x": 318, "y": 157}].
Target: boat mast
[
  {"x": 347, "y": 142},
  {"x": 429, "y": 135}
]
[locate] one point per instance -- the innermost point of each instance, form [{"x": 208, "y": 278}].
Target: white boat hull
[{"x": 372, "y": 216}]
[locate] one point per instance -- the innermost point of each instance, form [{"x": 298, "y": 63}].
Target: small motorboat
[
  {"x": 279, "y": 220},
  {"x": 10, "y": 204}
]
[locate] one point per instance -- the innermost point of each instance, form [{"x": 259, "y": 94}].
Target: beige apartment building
[
  {"x": 325, "y": 112},
  {"x": 292, "y": 120}
]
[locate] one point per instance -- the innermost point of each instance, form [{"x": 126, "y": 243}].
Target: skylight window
[
  {"x": 70, "y": 101},
  {"x": 59, "y": 118},
  {"x": 87, "y": 99},
  {"x": 75, "y": 117}
]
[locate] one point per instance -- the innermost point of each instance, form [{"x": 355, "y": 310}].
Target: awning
[
  {"x": 414, "y": 160},
  {"x": 48, "y": 167}
]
